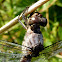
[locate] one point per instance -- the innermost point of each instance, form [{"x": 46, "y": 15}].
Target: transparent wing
[
  {"x": 10, "y": 52},
  {"x": 48, "y": 52},
  {"x": 10, "y": 47},
  {"x": 53, "y": 49},
  {"x": 9, "y": 57}
]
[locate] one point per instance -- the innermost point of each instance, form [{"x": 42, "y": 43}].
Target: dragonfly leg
[
  {"x": 21, "y": 23},
  {"x": 24, "y": 18},
  {"x": 23, "y": 15}
]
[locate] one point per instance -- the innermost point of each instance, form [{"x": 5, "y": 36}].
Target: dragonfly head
[{"x": 37, "y": 18}]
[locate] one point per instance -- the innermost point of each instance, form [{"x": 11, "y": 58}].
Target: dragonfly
[{"x": 32, "y": 46}]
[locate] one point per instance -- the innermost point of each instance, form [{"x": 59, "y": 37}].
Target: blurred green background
[{"x": 52, "y": 10}]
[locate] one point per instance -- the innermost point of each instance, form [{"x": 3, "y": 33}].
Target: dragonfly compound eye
[{"x": 43, "y": 22}]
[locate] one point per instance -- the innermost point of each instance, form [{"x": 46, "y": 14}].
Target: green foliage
[
  {"x": 60, "y": 32},
  {"x": 11, "y": 8},
  {"x": 59, "y": 3}
]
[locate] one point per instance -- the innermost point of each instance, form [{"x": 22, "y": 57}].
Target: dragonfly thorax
[
  {"x": 35, "y": 28},
  {"x": 32, "y": 40}
]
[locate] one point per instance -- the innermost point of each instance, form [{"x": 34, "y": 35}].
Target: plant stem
[{"x": 30, "y": 10}]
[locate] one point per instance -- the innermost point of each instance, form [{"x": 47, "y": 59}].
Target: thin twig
[{"x": 15, "y": 20}]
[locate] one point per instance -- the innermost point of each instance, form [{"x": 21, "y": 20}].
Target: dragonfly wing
[
  {"x": 10, "y": 47},
  {"x": 48, "y": 52},
  {"x": 10, "y": 51},
  {"x": 13, "y": 52},
  {"x": 52, "y": 50},
  {"x": 9, "y": 57}
]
